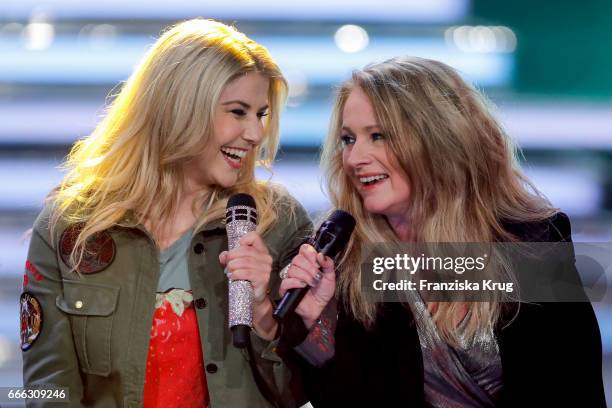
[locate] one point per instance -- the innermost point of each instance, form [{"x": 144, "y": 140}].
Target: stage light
[
  {"x": 102, "y": 36},
  {"x": 351, "y": 38},
  {"x": 298, "y": 86},
  {"x": 38, "y": 36},
  {"x": 481, "y": 39}
]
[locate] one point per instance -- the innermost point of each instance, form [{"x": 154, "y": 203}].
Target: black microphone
[
  {"x": 241, "y": 218},
  {"x": 330, "y": 239}
]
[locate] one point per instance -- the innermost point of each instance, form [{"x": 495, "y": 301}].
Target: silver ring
[
  {"x": 318, "y": 276},
  {"x": 284, "y": 272}
]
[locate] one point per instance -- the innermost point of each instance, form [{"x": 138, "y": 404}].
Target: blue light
[{"x": 429, "y": 11}]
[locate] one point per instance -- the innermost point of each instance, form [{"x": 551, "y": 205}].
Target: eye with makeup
[
  {"x": 243, "y": 113},
  {"x": 238, "y": 112},
  {"x": 346, "y": 140}
]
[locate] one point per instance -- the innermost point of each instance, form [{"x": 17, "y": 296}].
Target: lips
[
  {"x": 233, "y": 156},
  {"x": 370, "y": 181},
  {"x": 367, "y": 180}
]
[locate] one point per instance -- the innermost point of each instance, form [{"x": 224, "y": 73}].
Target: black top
[{"x": 550, "y": 353}]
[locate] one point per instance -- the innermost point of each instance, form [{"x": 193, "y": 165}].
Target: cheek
[
  {"x": 399, "y": 179},
  {"x": 401, "y": 187},
  {"x": 226, "y": 130},
  {"x": 211, "y": 154},
  {"x": 347, "y": 169}
]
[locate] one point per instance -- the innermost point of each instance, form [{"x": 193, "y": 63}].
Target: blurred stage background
[{"x": 546, "y": 66}]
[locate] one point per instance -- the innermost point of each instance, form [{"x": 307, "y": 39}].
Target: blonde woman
[
  {"x": 126, "y": 262},
  {"x": 415, "y": 156}
]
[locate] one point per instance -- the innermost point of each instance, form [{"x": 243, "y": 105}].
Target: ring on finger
[
  {"x": 318, "y": 276},
  {"x": 284, "y": 272}
]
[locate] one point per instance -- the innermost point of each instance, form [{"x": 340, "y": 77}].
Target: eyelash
[
  {"x": 241, "y": 112},
  {"x": 346, "y": 139}
]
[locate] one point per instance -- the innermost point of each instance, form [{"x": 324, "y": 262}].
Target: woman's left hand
[{"x": 250, "y": 261}]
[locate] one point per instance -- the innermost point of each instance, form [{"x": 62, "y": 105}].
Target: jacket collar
[
  {"x": 218, "y": 224},
  {"x": 130, "y": 221}
]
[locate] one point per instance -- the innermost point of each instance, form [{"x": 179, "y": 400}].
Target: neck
[
  {"x": 191, "y": 188},
  {"x": 182, "y": 218},
  {"x": 400, "y": 226}
]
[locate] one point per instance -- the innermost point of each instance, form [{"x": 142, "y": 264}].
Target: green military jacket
[{"x": 94, "y": 332}]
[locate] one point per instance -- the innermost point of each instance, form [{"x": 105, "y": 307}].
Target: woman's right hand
[{"x": 309, "y": 268}]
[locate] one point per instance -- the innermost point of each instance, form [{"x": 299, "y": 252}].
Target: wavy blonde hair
[
  {"x": 460, "y": 165},
  {"x": 162, "y": 117}
]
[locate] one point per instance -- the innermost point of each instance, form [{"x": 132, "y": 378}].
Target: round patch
[
  {"x": 99, "y": 250},
  {"x": 31, "y": 319}
]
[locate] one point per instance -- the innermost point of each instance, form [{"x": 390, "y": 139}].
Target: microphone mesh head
[
  {"x": 240, "y": 217},
  {"x": 343, "y": 219},
  {"x": 242, "y": 200}
]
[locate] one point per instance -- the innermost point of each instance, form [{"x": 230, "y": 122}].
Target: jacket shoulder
[
  {"x": 43, "y": 223},
  {"x": 556, "y": 228},
  {"x": 288, "y": 207}
]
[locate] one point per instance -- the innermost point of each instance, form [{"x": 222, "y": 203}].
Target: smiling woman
[
  {"x": 238, "y": 127},
  {"x": 374, "y": 172},
  {"x": 415, "y": 156},
  {"x": 128, "y": 301}
]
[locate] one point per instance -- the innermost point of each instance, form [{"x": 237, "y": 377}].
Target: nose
[
  {"x": 253, "y": 132},
  {"x": 358, "y": 154}
]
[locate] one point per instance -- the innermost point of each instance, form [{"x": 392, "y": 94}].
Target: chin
[
  {"x": 227, "y": 183},
  {"x": 374, "y": 208}
]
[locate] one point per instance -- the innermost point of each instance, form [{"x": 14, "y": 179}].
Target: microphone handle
[
  {"x": 240, "y": 298},
  {"x": 289, "y": 302},
  {"x": 294, "y": 296},
  {"x": 240, "y": 292},
  {"x": 241, "y": 335}
]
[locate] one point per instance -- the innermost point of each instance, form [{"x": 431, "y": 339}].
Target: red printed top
[{"x": 175, "y": 364}]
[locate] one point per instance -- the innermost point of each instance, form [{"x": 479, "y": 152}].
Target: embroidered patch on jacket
[
  {"x": 29, "y": 266},
  {"x": 30, "y": 319},
  {"x": 99, "y": 251}
]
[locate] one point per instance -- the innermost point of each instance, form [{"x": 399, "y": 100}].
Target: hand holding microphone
[
  {"x": 250, "y": 261},
  {"x": 248, "y": 265},
  {"x": 314, "y": 270},
  {"x": 331, "y": 238}
]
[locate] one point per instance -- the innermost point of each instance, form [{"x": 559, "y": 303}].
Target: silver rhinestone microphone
[{"x": 241, "y": 218}]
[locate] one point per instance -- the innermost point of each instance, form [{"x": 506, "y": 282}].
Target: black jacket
[{"x": 550, "y": 353}]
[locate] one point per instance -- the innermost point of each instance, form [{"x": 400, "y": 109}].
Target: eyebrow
[
  {"x": 368, "y": 128},
  {"x": 243, "y": 104}
]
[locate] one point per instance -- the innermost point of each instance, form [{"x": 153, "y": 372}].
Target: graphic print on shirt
[{"x": 175, "y": 364}]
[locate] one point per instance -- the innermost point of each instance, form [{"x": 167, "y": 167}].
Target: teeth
[
  {"x": 235, "y": 152},
  {"x": 372, "y": 178}
]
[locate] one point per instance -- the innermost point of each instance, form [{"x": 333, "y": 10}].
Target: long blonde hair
[
  {"x": 161, "y": 118},
  {"x": 461, "y": 168}
]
